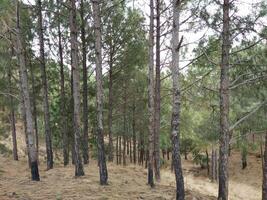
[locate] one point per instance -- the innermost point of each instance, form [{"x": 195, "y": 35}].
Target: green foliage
[{"x": 4, "y": 150}]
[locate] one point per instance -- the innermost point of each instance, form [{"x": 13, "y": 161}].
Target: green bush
[{"x": 4, "y": 150}]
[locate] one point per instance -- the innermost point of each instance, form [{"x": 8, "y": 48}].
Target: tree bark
[
  {"x": 213, "y": 165},
  {"x": 63, "y": 125},
  {"x": 117, "y": 149},
  {"x": 99, "y": 94},
  {"x": 48, "y": 134},
  {"x": 120, "y": 150},
  {"x": 124, "y": 126},
  {"x": 110, "y": 106},
  {"x": 176, "y": 109},
  {"x": 26, "y": 99},
  {"x": 76, "y": 88},
  {"x": 224, "y": 105},
  {"x": 207, "y": 162},
  {"x": 72, "y": 129},
  {"x": 12, "y": 118},
  {"x": 264, "y": 184},
  {"x": 134, "y": 134},
  {"x": 85, "y": 146},
  {"x": 34, "y": 108},
  {"x": 151, "y": 97},
  {"x": 130, "y": 149},
  {"x": 157, "y": 97}
]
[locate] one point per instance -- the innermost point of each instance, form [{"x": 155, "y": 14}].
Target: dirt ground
[
  {"x": 59, "y": 183},
  {"x": 124, "y": 182}
]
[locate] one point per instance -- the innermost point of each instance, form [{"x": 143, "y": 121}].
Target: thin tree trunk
[
  {"x": 216, "y": 165},
  {"x": 110, "y": 106},
  {"x": 124, "y": 127},
  {"x": 85, "y": 146},
  {"x": 130, "y": 149},
  {"x": 62, "y": 94},
  {"x": 120, "y": 150},
  {"x": 134, "y": 134},
  {"x": 157, "y": 97},
  {"x": 99, "y": 94},
  {"x": 127, "y": 145},
  {"x": 12, "y": 118},
  {"x": 117, "y": 149},
  {"x": 48, "y": 134},
  {"x": 213, "y": 165},
  {"x": 151, "y": 97},
  {"x": 26, "y": 99},
  {"x": 72, "y": 130},
  {"x": 224, "y": 105},
  {"x": 76, "y": 88},
  {"x": 175, "y": 122},
  {"x": 264, "y": 184},
  {"x": 207, "y": 162}
]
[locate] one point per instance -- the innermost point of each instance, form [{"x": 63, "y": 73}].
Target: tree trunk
[
  {"x": 124, "y": 127},
  {"x": 110, "y": 106},
  {"x": 207, "y": 162},
  {"x": 216, "y": 165},
  {"x": 224, "y": 105},
  {"x": 12, "y": 118},
  {"x": 134, "y": 134},
  {"x": 264, "y": 184},
  {"x": 176, "y": 109},
  {"x": 48, "y": 134},
  {"x": 168, "y": 154},
  {"x": 99, "y": 94},
  {"x": 76, "y": 88},
  {"x": 130, "y": 149},
  {"x": 85, "y": 147},
  {"x": 72, "y": 130},
  {"x": 151, "y": 97},
  {"x": 120, "y": 150},
  {"x": 117, "y": 149},
  {"x": 157, "y": 97},
  {"x": 34, "y": 108},
  {"x": 62, "y": 94},
  {"x": 213, "y": 165},
  {"x": 26, "y": 99},
  {"x": 127, "y": 145}
]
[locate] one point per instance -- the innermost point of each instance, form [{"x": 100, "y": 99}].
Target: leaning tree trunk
[
  {"x": 85, "y": 146},
  {"x": 176, "y": 109},
  {"x": 76, "y": 89},
  {"x": 48, "y": 138},
  {"x": 157, "y": 97},
  {"x": 99, "y": 94},
  {"x": 63, "y": 111},
  {"x": 151, "y": 97},
  {"x": 264, "y": 184},
  {"x": 26, "y": 99},
  {"x": 12, "y": 118},
  {"x": 224, "y": 105}
]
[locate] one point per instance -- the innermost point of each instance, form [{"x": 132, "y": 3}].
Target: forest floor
[{"x": 124, "y": 182}]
